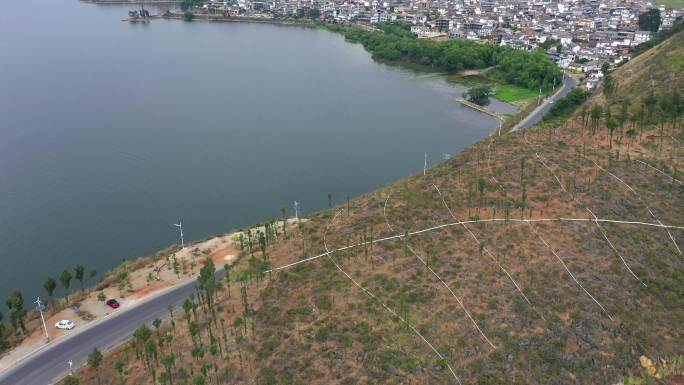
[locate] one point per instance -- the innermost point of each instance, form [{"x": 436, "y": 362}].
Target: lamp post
[
  {"x": 40, "y": 310},
  {"x": 425, "y": 164},
  {"x": 180, "y": 227}
]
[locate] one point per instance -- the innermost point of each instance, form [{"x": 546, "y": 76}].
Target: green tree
[
  {"x": 188, "y": 16},
  {"x": 71, "y": 380},
  {"x": 478, "y": 95},
  {"x": 15, "y": 303},
  {"x": 199, "y": 380},
  {"x": 609, "y": 86},
  {"x": 173, "y": 321},
  {"x": 207, "y": 282},
  {"x": 3, "y": 344},
  {"x": 169, "y": 361},
  {"x": 185, "y": 4},
  {"x": 65, "y": 279},
  {"x": 94, "y": 360},
  {"x": 156, "y": 323},
  {"x": 650, "y": 20},
  {"x": 631, "y": 134},
  {"x": 151, "y": 351},
  {"x": 605, "y": 68},
  {"x": 595, "y": 113},
  {"x": 481, "y": 186},
  {"x": 50, "y": 285},
  {"x": 611, "y": 124},
  {"x": 119, "y": 367},
  {"x": 624, "y": 113},
  {"x": 314, "y": 13},
  {"x": 140, "y": 337},
  {"x": 79, "y": 271}
]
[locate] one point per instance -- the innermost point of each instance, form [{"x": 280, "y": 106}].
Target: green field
[
  {"x": 674, "y": 4},
  {"x": 508, "y": 93}
]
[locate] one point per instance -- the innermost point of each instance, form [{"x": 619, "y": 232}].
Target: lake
[{"x": 113, "y": 131}]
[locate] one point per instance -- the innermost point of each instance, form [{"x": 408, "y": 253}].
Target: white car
[{"x": 65, "y": 324}]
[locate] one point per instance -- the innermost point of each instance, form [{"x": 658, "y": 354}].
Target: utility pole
[
  {"x": 296, "y": 207},
  {"x": 40, "y": 309},
  {"x": 180, "y": 227},
  {"x": 425, "y": 165}
]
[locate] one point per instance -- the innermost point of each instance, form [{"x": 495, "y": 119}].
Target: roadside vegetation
[
  {"x": 24, "y": 316},
  {"x": 566, "y": 106}
]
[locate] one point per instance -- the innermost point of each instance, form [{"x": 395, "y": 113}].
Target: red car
[{"x": 113, "y": 303}]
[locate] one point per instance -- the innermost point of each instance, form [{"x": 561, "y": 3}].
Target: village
[{"x": 579, "y": 35}]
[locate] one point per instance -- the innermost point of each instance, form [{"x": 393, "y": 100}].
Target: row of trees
[
  {"x": 531, "y": 70},
  {"x": 623, "y": 118},
  {"x": 200, "y": 350},
  {"x": 16, "y": 306},
  {"x": 65, "y": 279}
]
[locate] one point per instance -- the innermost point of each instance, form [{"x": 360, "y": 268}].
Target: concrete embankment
[
  {"x": 243, "y": 19},
  {"x": 480, "y": 108}
]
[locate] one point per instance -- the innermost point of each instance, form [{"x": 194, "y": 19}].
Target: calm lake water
[{"x": 111, "y": 131}]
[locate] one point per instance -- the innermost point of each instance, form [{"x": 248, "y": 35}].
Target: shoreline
[
  {"x": 450, "y": 77},
  {"x": 223, "y": 249},
  {"x": 234, "y": 19},
  {"x": 160, "y": 290}
]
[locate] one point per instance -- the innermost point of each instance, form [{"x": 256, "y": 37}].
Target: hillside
[
  {"x": 656, "y": 70},
  {"x": 546, "y": 256}
]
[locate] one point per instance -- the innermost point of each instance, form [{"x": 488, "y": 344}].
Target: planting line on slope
[
  {"x": 569, "y": 272},
  {"x": 641, "y": 200},
  {"x": 660, "y": 171},
  {"x": 486, "y": 250},
  {"x": 403, "y": 239},
  {"x": 574, "y": 198},
  {"x": 371, "y": 295},
  {"x": 559, "y": 258},
  {"x": 492, "y": 220}
]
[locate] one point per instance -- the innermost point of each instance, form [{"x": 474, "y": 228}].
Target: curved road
[
  {"x": 536, "y": 116},
  {"x": 49, "y": 364}
]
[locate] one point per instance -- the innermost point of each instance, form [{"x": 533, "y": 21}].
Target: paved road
[
  {"x": 536, "y": 116},
  {"x": 49, "y": 365}
]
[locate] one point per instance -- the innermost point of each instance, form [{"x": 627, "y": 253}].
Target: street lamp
[
  {"x": 40, "y": 309},
  {"x": 180, "y": 227}
]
